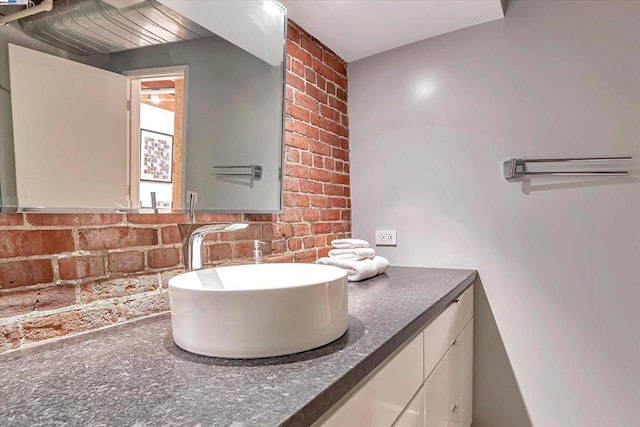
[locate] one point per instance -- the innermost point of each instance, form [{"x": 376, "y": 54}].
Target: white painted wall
[{"x": 431, "y": 124}]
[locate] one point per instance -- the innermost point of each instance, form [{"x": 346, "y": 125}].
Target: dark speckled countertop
[{"x": 134, "y": 375}]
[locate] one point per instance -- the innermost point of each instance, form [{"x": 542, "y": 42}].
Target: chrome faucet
[{"x": 194, "y": 252}]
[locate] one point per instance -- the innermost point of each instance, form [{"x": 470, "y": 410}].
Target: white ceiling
[{"x": 355, "y": 29}]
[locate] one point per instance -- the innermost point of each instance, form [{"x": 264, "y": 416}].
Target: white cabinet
[{"x": 425, "y": 383}]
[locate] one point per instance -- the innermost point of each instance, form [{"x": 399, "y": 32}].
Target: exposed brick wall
[{"x": 61, "y": 274}]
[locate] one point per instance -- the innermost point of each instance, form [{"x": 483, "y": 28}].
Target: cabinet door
[
  {"x": 445, "y": 384},
  {"x": 413, "y": 414},
  {"x": 440, "y": 334},
  {"x": 383, "y": 394}
]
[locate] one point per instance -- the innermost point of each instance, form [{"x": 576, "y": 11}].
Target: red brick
[
  {"x": 329, "y": 215},
  {"x": 294, "y": 244},
  {"x": 333, "y": 61},
  {"x": 298, "y": 141},
  {"x": 297, "y": 67},
  {"x": 311, "y": 46},
  {"x": 309, "y": 255},
  {"x": 163, "y": 257},
  {"x": 290, "y": 215},
  {"x": 306, "y": 158},
  {"x": 306, "y": 129},
  {"x": 329, "y": 138},
  {"x": 344, "y": 144},
  {"x": 321, "y": 228},
  {"x": 339, "y": 202},
  {"x": 260, "y": 217},
  {"x": 340, "y": 81},
  {"x": 321, "y": 83},
  {"x": 8, "y": 219},
  {"x": 298, "y": 112},
  {"x": 80, "y": 267},
  {"x": 61, "y": 324},
  {"x": 329, "y": 164},
  {"x": 289, "y": 93},
  {"x": 311, "y": 215},
  {"x": 116, "y": 237},
  {"x": 119, "y": 287},
  {"x": 292, "y": 33},
  {"x": 339, "y": 153},
  {"x": 323, "y": 252},
  {"x": 319, "y": 201},
  {"x": 126, "y": 262},
  {"x": 291, "y": 184},
  {"x": 292, "y": 154},
  {"x": 331, "y": 88},
  {"x": 279, "y": 246},
  {"x": 301, "y": 229},
  {"x": 157, "y": 218},
  {"x": 219, "y": 251},
  {"x": 170, "y": 234},
  {"x": 282, "y": 230},
  {"x": 242, "y": 250},
  {"x": 279, "y": 258},
  {"x": 333, "y": 190},
  {"x": 295, "y": 81},
  {"x": 310, "y": 187},
  {"x": 330, "y": 113},
  {"x": 321, "y": 240},
  {"x": 37, "y": 242},
  {"x": 296, "y": 52},
  {"x": 296, "y": 171},
  {"x": 310, "y": 75},
  {"x": 296, "y": 200},
  {"x": 212, "y": 218},
  {"x": 288, "y": 124},
  {"x": 26, "y": 301},
  {"x": 320, "y": 148},
  {"x": 43, "y": 220},
  {"x": 9, "y": 337},
  {"x": 340, "y": 178},
  {"x": 267, "y": 231},
  {"x": 320, "y": 175},
  {"x": 146, "y": 305},
  {"x": 307, "y": 102},
  {"x": 344, "y": 120},
  {"x": 322, "y": 69},
  {"x": 309, "y": 242},
  {"x": 318, "y": 161},
  {"x": 252, "y": 232},
  {"x": 337, "y": 104},
  {"x": 341, "y": 94},
  {"x": 316, "y": 93},
  {"x": 345, "y": 215},
  {"x": 14, "y": 274}
]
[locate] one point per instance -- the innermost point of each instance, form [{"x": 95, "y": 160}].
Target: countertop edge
[{"x": 326, "y": 399}]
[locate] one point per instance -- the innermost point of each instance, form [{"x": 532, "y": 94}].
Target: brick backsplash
[{"x": 61, "y": 274}]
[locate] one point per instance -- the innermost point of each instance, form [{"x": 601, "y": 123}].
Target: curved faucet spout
[{"x": 194, "y": 257}]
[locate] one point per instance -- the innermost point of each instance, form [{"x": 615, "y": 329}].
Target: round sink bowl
[{"x": 258, "y": 310}]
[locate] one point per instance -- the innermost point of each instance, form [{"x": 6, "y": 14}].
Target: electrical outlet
[{"x": 386, "y": 238}]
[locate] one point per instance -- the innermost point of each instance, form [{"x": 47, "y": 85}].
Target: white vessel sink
[{"x": 258, "y": 310}]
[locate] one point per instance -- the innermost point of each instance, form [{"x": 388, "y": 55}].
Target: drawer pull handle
[
  {"x": 455, "y": 409},
  {"x": 457, "y": 300}
]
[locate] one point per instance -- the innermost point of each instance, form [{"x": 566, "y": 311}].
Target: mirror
[{"x": 187, "y": 104}]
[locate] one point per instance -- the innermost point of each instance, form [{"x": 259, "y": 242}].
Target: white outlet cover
[{"x": 386, "y": 238}]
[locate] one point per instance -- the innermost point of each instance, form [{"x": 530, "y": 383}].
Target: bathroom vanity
[{"x": 409, "y": 338}]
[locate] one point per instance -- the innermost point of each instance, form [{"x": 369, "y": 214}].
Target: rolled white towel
[
  {"x": 349, "y": 243},
  {"x": 358, "y": 270},
  {"x": 355, "y": 254}
]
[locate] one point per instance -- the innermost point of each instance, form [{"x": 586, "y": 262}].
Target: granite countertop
[{"x": 134, "y": 375}]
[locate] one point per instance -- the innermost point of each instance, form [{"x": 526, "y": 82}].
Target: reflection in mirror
[{"x": 98, "y": 112}]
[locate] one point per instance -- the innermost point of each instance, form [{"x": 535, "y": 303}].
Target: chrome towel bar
[
  {"x": 254, "y": 172},
  {"x": 517, "y": 168}
]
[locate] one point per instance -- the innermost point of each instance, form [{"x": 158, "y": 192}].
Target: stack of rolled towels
[{"x": 356, "y": 257}]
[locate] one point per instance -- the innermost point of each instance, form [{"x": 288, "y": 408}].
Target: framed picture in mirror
[{"x": 156, "y": 156}]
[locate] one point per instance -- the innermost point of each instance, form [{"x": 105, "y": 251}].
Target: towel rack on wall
[
  {"x": 254, "y": 172},
  {"x": 517, "y": 168}
]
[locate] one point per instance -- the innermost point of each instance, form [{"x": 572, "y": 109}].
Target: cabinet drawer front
[
  {"x": 413, "y": 415},
  {"x": 383, "y": 394},
  {"x": 445, "y": 384},
  {"x": 461, "y": 413},
  {"x": 440, "y": 334}
]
